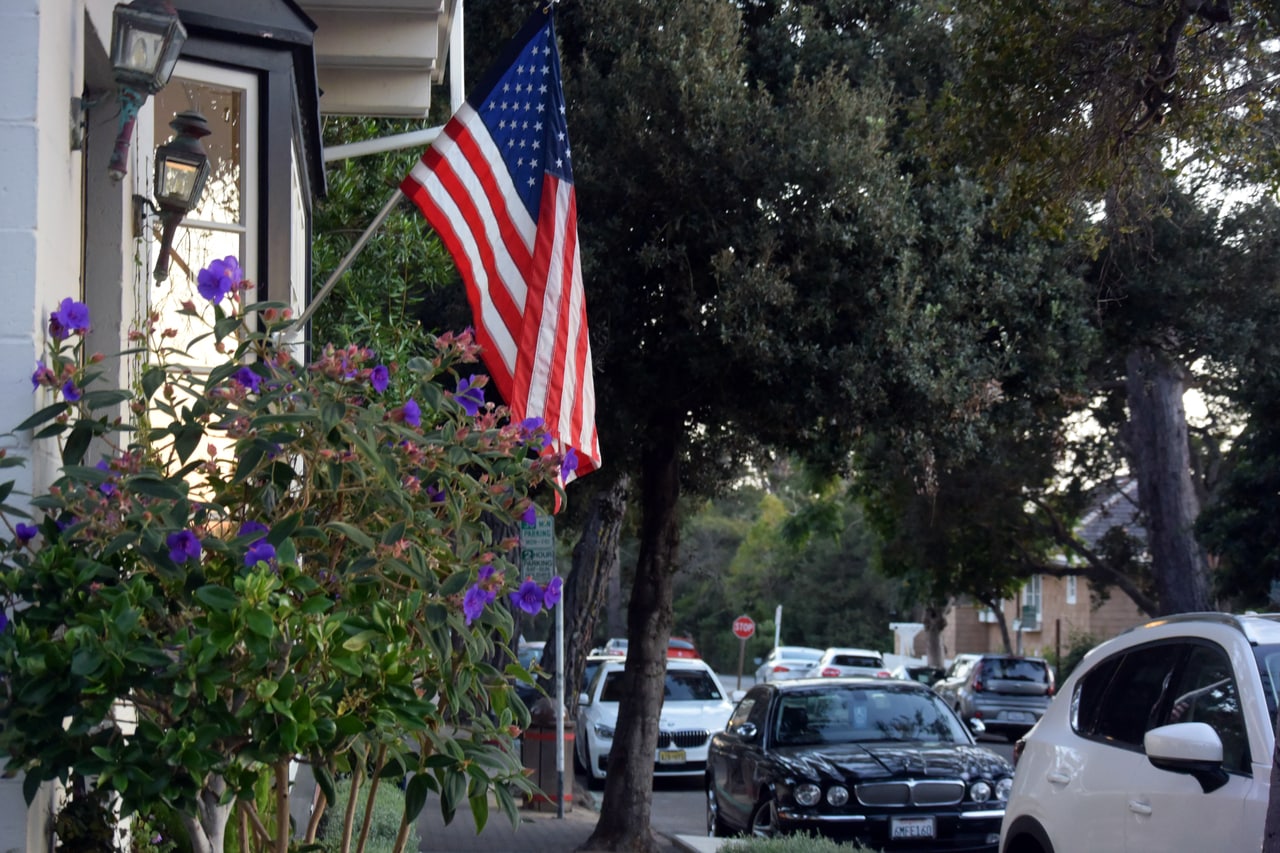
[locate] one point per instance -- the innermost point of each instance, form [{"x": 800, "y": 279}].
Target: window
[
  {"x": 1031, "y": 598},
  {"x": 1204, "y": 691},
  {"x": 1071, "y": 589},
  {"x": 1119, "y": 703}
]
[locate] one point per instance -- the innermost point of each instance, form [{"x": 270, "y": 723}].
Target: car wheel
[
  {"x": 716, "y": 827},
  {"x": 764, "y": 820}
]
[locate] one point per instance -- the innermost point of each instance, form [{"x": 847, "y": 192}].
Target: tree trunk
[
  {"x": 1161, "y": 460},
  {"x": 208, "y": 827},
  {"x": 595, "y": 557},
  {"x": 934, "y": 623},
  {"x": 628, "y": 793}
]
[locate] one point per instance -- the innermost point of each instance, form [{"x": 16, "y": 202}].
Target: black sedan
[{"x": 884, "y": 763}]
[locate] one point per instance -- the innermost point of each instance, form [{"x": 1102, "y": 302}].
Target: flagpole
[{"x": 396, "y": 196}]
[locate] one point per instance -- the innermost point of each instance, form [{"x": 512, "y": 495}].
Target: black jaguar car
[{"x": 884, "y": 763}]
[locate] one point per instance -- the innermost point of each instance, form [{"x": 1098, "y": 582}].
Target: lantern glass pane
[
  {"x": 142, "y": 51},
  {"x": 177, "y": 181}
]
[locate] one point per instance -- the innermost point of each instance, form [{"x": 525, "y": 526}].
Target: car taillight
[
  {"x": 977, "y": 677},
  {"x": 884, "y": 673},
  {"x": 1050, "y": 691},
  {"x": 830, "y": 672},
  {"x": 781, "y": 668}
]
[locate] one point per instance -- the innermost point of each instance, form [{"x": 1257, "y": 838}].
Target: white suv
[{"x": 1160, "y": 740}]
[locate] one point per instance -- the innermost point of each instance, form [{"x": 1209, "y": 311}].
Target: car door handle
[
  {"x": 1057, "y": 777},
  {"x": 1139, "y": 807}
]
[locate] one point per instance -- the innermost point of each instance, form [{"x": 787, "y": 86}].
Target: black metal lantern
[
  {"x": 182, "y": 167},
  {"x": 146, "y": 38}
]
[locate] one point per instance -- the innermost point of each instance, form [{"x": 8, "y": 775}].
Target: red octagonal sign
[{"x": 743, "y": 627}]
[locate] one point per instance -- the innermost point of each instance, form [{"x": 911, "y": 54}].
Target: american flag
[{"x": 497, "y": 186}]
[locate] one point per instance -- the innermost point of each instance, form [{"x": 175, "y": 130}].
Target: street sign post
[
  {"x": 743, "y": 628},
  {"x": 538, "y": 561}
]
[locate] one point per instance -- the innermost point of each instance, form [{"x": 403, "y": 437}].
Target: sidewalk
[{"x": 538, "y": 831}]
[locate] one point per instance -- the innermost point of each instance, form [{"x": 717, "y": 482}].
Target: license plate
[
  {"x": 671, "y": 756},
  {"x": 1018, "y": 716},
  {"x": 911, "y": 827}
]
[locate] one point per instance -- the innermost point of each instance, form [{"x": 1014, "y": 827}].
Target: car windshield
[
  {"x": 859, "y": 714},
  {"x": 1268, "y": 657},
  {"x": 682, "y": 685},
  {"x": 857, "y": 660}
]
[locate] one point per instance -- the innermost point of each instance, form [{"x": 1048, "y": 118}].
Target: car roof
[
  {"x": 791, "y": 650},
  {"x": 1258, "y": 628},
  {"x": 801, "y": 684}
]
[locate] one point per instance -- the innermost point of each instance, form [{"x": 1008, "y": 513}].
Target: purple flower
[
  {"x": 474, "y": 602},
  {"x": 4, "y": 621},
  {"x": 261, "y": 551},
  {"x": 247, "y": 379},
  {"x": 530, "y": 515},
  {"x": 108, "y": 488},
  {"x": 551, "y": 594},
  {"x": 70, "y": 316},
  {"x": 379, "y": 378},
  {"x": 41, "y": 372},
  {"x": 435, "y": 493},
  {"x": 469, "y": 396},
  {"x": 486, "y": 572},
  {"x": 528, "y": 597},
  {"x": 25, "y": 532},
  {"x": 251, "y": 527},
  {"x": 183, "y": 546},
  {"x": 216, "y": 280},
  {"x": 70, "y": 391},
  {"x": 412, "y": 413},
  {"x": 530, "y": 432},
  {"x": 570, "y": 463}
]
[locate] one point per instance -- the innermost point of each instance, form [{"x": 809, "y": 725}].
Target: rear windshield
[
  {"x": 856, "y": 660},
  {"x": 1015, "y": 669},
  {"x": 684, "y": 685}
]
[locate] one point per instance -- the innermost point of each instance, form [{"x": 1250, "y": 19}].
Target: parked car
[
  {"x": 926, "y": 675},
  {"x": 881, "y": 762},
  {"x": 838, "y": 663},
  {"x": 1008, "y": 693},
  {"x": 681, "y": 647},
  {"x": 695, "y": 706},
  {"x": 615, "y": 646},
  {"x": 1161, "y": 739},
  {"x": 529, "y": 654},
  {"x": 784, "y": 662}
]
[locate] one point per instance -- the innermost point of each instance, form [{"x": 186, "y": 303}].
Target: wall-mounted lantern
[
  {"x": 182, "y": 166},
  {"x": 146, "y": 38}
]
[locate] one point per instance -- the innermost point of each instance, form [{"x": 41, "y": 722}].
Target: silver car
[
  {"x": 786, "y": 662},
  {"x": 1007, "y": 693}
]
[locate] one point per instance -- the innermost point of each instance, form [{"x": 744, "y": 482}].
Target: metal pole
[
  {"x": 350, "y": 257},
  {"x": 560, "y": 709}
]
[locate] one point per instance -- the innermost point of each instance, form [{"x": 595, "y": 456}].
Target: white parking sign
[{"x": 538, "y": 549}]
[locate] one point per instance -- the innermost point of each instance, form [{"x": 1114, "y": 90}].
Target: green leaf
[
  {"x": 260, "y": 623},
  {"x": 480, "y": 810},
  {"x": 78, "y": 442},
  {"x": 155, "y": 487},
  {"x": 48, "y": 413},
  {"x": 324, "y": 778},
  {"x": 350, "y": 725},
  {"x": 104, "y": 398},
  {"x": 353, "y": 533},
  {"x": 454, "y": 583},
  {"x": 266, "y": 689},
  {"x": 415, "y": 796},
  {"x": 187, "y": 439},
  {"x": 217, "y": 598},
  {"x": 316, "y": 604},
  {"x": 361, "y": 640},
  {"x": 152, "y": 379}
]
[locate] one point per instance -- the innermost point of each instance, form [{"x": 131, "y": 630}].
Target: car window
[
  {"x": 690, "y": 685},
  {"x": 1205, "y": 691},
  {"x": 1120, "y": 702},
  {"x": 611, "y": 690},
  {"x": 742, "y": 713},
  {"x": 856, "y": 660},
  {"x": 1016, "y": 669}
]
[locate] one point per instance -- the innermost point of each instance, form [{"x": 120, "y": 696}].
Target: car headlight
[
  {"x": 603, "y": 731},
  {"x": 838, "y": 795},
  {"x": 1004, "y": 787},
  {"x": 807, "y": 794},
  {"x": 980, "y": 791}
]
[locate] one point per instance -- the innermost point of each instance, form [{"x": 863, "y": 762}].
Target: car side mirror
[
  {"x": 746, "y": 731},
  {"x": 1191, "y": 748},
  {"x": 758, "y": 661},
  {"x": 583, "y": 699},
  {"x": 736, "y": 695},
  {"x": 977, "y": 726}
]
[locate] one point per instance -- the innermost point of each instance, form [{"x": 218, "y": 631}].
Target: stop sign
[{"x": 743, "y": 627}]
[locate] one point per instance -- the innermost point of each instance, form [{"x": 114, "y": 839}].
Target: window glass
[
  {"x": 1269, "y": 668},
  {"x": 856, "y": 660},
  {"x": 852, "y": 715},
  {"x": 690, "y": 686},
  {"x": 1125, "y": 700},
  {"x": 743, "y": 712},
  {"x": 1016, "y": 669},
  {"x": 1204, "y": 691}
]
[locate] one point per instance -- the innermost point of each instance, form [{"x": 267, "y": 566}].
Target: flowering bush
[{"x": 267, "y": 560}]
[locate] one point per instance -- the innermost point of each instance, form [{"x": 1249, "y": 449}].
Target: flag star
[
  {"x": 520, "y": 69},
  {"x": 506, "y": 87},
  {"x": 532, "y": 182},
  {"x": 536, "y": 145},
  {"x": 520, "y": 162},
  {"x": 546, "y": 69},
  {"x": 533, "y": 163},
  {"x": 559, "y": 162},
  {"x": 560, "y": 136},
  {"x": 511, "y": 143},
  {"x": 542, "y": 90},
  {"x": 528, "y": 106},
  {"x": 538, "y": 126},
  {"x": 542, "y": 107}
]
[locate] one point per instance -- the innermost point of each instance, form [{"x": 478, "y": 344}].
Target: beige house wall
[{"x": 968, "y": 632}]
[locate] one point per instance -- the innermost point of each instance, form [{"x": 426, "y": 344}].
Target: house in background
[
  {"x": 76, "y": 221},
  {"x": 1050, "y": 610}
]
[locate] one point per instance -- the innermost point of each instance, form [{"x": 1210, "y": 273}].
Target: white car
[
  {"x": 696, "y": 707},
  {"x": 843, "y": 663},
  {"x": 787, "y": 662},
  {"x": 1161, "y": 739}
]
